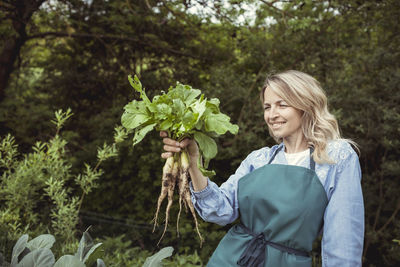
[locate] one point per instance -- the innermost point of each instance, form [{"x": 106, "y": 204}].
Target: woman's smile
[{"x": 276, "y": 125}]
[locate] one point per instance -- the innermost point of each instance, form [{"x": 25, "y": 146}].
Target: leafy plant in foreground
[
  {"x": 37, "y": 253},
  {"x": 182, "y": 112}
]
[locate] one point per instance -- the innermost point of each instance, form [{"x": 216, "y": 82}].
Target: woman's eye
[{"x": 266, "y": 108}]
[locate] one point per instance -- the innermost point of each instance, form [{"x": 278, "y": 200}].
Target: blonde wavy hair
[{"x": 303, "y": 92}]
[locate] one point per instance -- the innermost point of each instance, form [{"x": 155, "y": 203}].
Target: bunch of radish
[{"x": 182, "y": 112}]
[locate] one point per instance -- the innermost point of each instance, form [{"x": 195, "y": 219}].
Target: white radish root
[{"x": 176, "y": 172}]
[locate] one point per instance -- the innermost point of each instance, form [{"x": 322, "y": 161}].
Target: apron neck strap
[{"x": 312, "y": 162}]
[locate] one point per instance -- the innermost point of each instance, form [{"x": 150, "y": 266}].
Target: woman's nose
[{"x": 273, "y": 113}]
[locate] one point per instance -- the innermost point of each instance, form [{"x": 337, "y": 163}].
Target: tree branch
[
  {"x": 391, "y": 218},
  {"x": 177, "y": 14},
  {"x": 103, "y": 36},
  {"x": 271, "y": 4},
  {"x": 6, "y": 6},
  {"x": 381, "y": 200}
]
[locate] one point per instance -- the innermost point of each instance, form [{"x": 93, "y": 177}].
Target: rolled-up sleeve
[
  {"x": 343, "y": 233},
  {"x": 219, "y": 204}
]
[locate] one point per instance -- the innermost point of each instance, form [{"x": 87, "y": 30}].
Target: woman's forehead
[{"x": 271, "y": 97}]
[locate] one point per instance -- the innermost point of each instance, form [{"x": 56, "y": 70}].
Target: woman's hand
[{"x": 172, "y": 146}]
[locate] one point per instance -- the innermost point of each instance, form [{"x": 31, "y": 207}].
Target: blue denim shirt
[{"x": 343, "y": 230}]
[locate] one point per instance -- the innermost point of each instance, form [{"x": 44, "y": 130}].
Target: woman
[{"x": 289, "y": 193}]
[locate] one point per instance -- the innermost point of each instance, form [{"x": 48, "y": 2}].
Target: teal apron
[{"x": 281, "y": 213}]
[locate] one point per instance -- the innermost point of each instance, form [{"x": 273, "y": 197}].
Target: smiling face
[{"x": 283, "y": 120}]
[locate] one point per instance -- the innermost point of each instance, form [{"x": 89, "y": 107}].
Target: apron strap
[
  {"x": 312, "y": 162},
  {"x": 254, "y": 254}
]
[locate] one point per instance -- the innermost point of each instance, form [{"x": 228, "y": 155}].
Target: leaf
[
  {"x": 220, "y": 124},
  {"x": 42, "y": 241},
  {"x": 205, "y": 172},
  {"x": 86, "y": 247},
  {"x": 100, "y": 263},
  {"x": 69, "y": 261},
  {"x": 178, "y": 108},
  {"x": 25, "y": 252},
  {"x": 189, "y": 120},
  {"x": 141, "y": 133},
  {"x": 135, "y": 115},
  {"x": 213, "y": 105},
  {"x": 155, "y": 260},
  {"x": 207, "y": 145},
  {"x": 42, "y": 257},
  {"x": 199, "y": 107},
  {"x": 137, "y": 85},
  {"x": 190, "y": 94},
  {"x": 165, "y": 125},
  {"x": 162, "y": 111},
  {"x": 18, "y": 249},
  {"x": 92, "y": 254}
]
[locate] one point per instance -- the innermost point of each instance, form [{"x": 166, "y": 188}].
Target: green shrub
[{"x": 38, "y": 191}]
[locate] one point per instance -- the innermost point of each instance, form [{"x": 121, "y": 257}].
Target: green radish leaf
[
  {"x": 42, "y": 257},
  {"x": 165, "y": 125},
  {"x": 220, "y": 124},
  {"x": 137, "y": 85},
  {"x": 162, "y": 111},
  {"x": 42, "y": 241},
  {"x": 214, "y": 101},
  {"x": 155, "y": 260},
  {"x": 212, "y": 106},
  {"x": 135, "y": 115},
  {"x": 162, "y": 99},
  {"x": 199, "y": 107},
  {"x": 207, "y": 145},
  {"x": 190, "y": 94},
  {"x": 205, "y": 172},
  {"x": 178, "y": 108},
  {"x": 18, "y": 248},
  {"x": 189, "y": 120},
  {"x": 182, "y": 111},
  {"x": 184, "y": 92},
  {"x": 199, "y": 125},
  {"x": 141, "y": 133},
  {"x": 69, "y": 261}
]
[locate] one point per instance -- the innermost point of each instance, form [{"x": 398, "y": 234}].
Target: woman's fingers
[
  {"x": 171, "y": 142},
  {"x": 172, "y": 148},
  {"x": 185, "y": 142},
  {"x": 166, "y": 155}
]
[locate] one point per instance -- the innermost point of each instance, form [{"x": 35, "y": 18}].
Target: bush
[{"x": 38, "y": 192}]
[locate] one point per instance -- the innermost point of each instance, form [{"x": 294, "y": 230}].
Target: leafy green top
[{"x": 182, "y": 112}]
